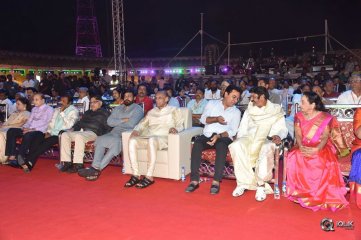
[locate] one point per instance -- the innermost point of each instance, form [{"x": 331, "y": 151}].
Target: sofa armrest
[{"x": 179, "y": 151}]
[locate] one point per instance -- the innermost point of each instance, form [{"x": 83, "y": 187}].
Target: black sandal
[
  {"x": 26, "y": 167},
  {"x": 145, "y": 182},
  {"x": 132, "y": 181},
  {"x": 93, "y": 177}
]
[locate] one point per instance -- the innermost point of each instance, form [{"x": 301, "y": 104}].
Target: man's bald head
[
  {"x": 161, "y": 99},
  {"x": 164, "y": 93}
]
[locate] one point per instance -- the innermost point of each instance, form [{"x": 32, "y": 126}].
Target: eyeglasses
[{"x": 355, "y": 81}]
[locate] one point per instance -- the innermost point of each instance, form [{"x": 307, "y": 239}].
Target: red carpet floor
[{"x": 50, "y": 205}]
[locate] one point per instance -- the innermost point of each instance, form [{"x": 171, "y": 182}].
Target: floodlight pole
[
  {"x": 229, "y": 48},
  {"x": 326, "y": 36},
  {"x": 201, "y": 32}
]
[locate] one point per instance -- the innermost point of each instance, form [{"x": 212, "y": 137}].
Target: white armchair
[{"x": 169, "y": 161}]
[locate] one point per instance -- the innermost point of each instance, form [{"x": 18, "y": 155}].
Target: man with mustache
[
  {"x": 213, "y": 92},
  {"x": 123, "y": 118},
  {"x": 197, "y": 106},
  {"x": 262, "y": 127}
]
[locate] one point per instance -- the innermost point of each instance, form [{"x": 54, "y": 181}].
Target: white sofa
[{"x": 169, "y": 161}]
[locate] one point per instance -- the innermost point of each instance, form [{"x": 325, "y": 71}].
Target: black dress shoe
[
  {"x": 192, "y": 187},
  {"x": 215, "y": 189}
]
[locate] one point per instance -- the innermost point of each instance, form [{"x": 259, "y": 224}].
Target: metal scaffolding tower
[
  {"x": 119, "y": 39},
  {"x": 87, "y": 33}
]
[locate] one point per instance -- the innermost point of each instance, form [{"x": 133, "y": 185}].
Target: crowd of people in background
[{"x": 216, "y": 103}]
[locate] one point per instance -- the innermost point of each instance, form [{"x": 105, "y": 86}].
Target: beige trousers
[
  {"x": 250, "y": 175},
  {"x": 152, "y": 144},
  {"x": 80, "y": 139}
]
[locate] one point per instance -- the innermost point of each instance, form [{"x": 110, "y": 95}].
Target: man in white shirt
[
  {"x": 83, "y": 97},
  {"x": 352, "y": 96},
  {"x": 29, "y": 82},
  {"x": 221, "y": 119},
  {"x": 244, "y": 99},
  {"x": 213, "y": 92},
  {"x": 5, "y": 100}
]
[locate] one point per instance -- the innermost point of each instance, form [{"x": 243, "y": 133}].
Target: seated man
[
  {"x": 244, "y": 99},
  {"x": 352, "y": 96},
  {"x": 274, "y": 97},
  {"x": 83, "y": 98},
  {"x": 30, "y": 92},
  {"x": 224, "y": 86},
  {"x": 329, "y": 90},
  {"x": 262, "y": 127},
  {"x": 92, "y": 124},
  {"x": 63, "y": 119},
  {"x": 221, "y": 119},
  {"x": 172, "y": 100},
  {"x": 152, "y": 133},
  {"x": 4, "y": 99},
  {"x": 213, "y": 93},
  {"x": 143, "y": 98},
  {"x": 197, "y": 106},
  {"x": 32, "y": 132},
  {"x": 123, "y": 118}
]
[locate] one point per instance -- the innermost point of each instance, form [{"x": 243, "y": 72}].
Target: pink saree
[{"x": 315, "y": 182}]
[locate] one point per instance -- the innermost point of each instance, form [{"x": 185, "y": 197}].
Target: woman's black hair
[
  {"x": 312, "y": 97},
  {"x": 26, "y": 102}
]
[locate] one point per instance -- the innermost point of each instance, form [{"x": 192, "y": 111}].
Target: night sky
[{"x": 161, "y": 27}]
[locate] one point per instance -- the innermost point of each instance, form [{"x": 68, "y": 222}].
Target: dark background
[{"x": 157, "y": 28}]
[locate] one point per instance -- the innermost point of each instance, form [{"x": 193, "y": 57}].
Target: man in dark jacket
[{"x": 91, "y": 125}]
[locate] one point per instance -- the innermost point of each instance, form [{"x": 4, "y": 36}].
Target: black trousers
[
  {"x": 199, "y": 145},
  {"x": 42, "y": 147},
  {"x": 30, "y": 141}
]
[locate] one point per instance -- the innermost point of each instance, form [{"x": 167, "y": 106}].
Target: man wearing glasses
[
  {"x": 352, "y": 96},
  {"x": 91, "y": 125}
]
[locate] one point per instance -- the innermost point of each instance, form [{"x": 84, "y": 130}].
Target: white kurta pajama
[
  {"x": 252, "y": 153},
  {"x": 154, "y": 130}
]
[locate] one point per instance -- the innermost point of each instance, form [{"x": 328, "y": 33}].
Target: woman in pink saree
[{"x": 314, "y": 178}]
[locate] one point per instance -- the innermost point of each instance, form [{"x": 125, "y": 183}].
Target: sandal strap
[
  {"x": 132, "y": 181},
  {"x": 92, "y": 178},
  {"x": 145, "y": 182}
]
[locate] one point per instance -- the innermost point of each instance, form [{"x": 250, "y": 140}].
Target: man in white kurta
[
  {"x": 152, "y": 134},
  {"x": 252, "y": 152}
]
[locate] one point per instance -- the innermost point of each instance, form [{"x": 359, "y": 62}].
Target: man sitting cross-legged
[
  {"x": 63, "y": 119},
  {"x": 123, "y": 118},
  {"x": 32, "y": 132},
  {"x": 91, "y": 125},
  {"x": 152, "y": 133}
]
